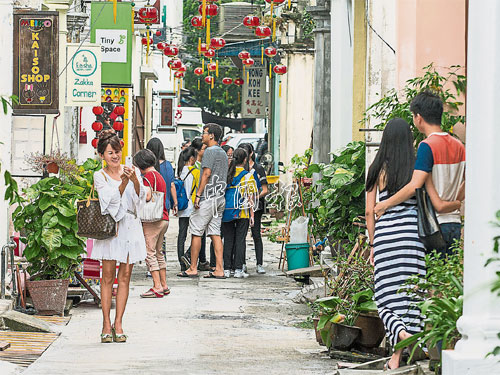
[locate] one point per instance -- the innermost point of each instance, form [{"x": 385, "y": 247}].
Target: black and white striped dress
[{"x": 398, "y": 254}]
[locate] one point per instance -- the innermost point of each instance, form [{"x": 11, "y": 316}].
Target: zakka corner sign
[{"x": 84, "y": 75}]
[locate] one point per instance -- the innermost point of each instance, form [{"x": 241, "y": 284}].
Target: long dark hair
[
  {"x": 248, "y": 147},
  {"x": 239, "y": 156},
  {"x": 184, "y": 157},
  {"x": 396, "y": 157},
  {"x": 156, "y": 146}
]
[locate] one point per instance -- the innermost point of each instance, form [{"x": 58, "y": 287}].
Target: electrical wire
[{"x": 370, "y": 26}]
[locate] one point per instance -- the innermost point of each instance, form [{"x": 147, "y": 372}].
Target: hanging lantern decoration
[
  {"x": 227, "y": 81},
  {"x": 208, "y": 11},
  {"x": 204, "y": 48},
  {"x": 217, "y": 43},
  {"x": 175, "y": 64},
  {"x": 182, "y": 69},
  {"x": 146, "y": 41},
  {"x": 98, "y": 110},
  {"x": 118, "y": 126},
  {"x": 171, "y": 50},
  {"x": 198, "y": 71},
  {"x": 210, "y": 53},
  {"x": 263, "y": 32},
  {"x": 148, "y": 15},
  {"x": 251, "y": 21},
  {"x": 119, "y": 110},
  {"x": 243, "y": 55},
  {"x": 179, "y": 74},
  {"x": 280, "y": 70},
  {"x": 239, "y": 82},
  {"x": 210, "y": 80},
  {"x": 270, "y": 51},
  {"x": 197, "y": 22},
  {"x": 248, "y": 63},
  {"x": 161, "y": 46},
  {"x": 212, "y": 67},
  {"x": 275, "y": 2},
  {"x": 158, "y": 33},
  {"x": 96, "y": 126},
  {"x": 94, "y": 142}
]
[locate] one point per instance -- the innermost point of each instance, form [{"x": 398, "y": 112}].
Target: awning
[{"x": 233, "y": 123}]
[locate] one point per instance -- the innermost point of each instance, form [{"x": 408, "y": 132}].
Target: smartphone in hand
[{"x": 128, "y": 161}]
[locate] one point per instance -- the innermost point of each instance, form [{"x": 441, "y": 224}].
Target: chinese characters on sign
[
  {"x": 254, "y": 98},
  {"x": 36, "y": 61},
  {"x": 167, "y": 112}
]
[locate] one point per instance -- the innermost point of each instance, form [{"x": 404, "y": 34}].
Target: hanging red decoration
[
  {"x": 217, "y": 43},
  {"x": 212, "y": 67},
  {"x": 263, "y": 32},
  {"x": 119, "y": 110},
  {"x": 94, "y": 142},
  {"x": 276, "y": 2},
  {"x": 280, "y": 69},
  {"x": 179, "y": 74},
  {"x": 210, "y": 53},
  {"x": 148, "y": 14},
  {"x": 239, "y": 82},
  {"x": 270, "y": 51},
  {"x": 251, "y": 21},
  {"x": 175, "y": 64},
  {"x": 197, "y": 22},
  {"x": 198, "y": 71},
  {"x": 158, "y": 33},
  {"x": 248, "y": 62},
  {"x": 209, "y": 79},
  {"x": 227, "y": 81},
  {"x": 98, "y": 110},
  {"x": 161, "y": 45},
  {"x": 171, "y": 50},
  {"x": 96, "y": 126},
  {"x": 118, "y": 126},
  {"x": 243, "y": 55},
  {"x": 182, "y": 69},
  {"x": 144, "y": 41},
  {"x": 210, "y": 10},
  {"x": 204, "y": 47}
]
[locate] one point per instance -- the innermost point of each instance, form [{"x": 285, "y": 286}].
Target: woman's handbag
[
  {"x": 153, "y": 210},
  {"x": 428, "y": 225},
  {"x": 91, "y": 222}
]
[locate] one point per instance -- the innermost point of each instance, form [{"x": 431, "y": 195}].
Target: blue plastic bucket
[{"x": 297, "y": 255}]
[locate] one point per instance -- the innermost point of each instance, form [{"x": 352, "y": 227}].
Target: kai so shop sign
[
  {"x": 83, "y": 75},
  {"x": 254, "y": 98},
  {"x": 36, "y": 62}
]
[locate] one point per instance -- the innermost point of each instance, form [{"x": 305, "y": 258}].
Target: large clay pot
[
  {"x": 372, "y": 330},
  {"x": 343, "y": 336},
  {"x": 52, "y": 167},
  {"x": 49, "y": 296}
]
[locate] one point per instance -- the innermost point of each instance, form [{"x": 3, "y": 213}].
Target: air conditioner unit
[{"x": 231, "y": 21}]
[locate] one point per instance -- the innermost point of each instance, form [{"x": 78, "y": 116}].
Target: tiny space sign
[
  {"x": 113, "y": 45},
  {"x": 36, "y": 57}
]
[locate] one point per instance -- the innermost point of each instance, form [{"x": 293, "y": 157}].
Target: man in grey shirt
[{"x": 210, "y": 201}]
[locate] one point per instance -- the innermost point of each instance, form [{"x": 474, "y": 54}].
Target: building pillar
[
  {"x": 6, "y": 62},
  {"x": 322, "y": 80},
  {"x": 480, "y": 322}
]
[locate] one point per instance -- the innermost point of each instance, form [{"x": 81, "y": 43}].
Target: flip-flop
[
  {"x": 185, "y": 274},
  {"x": 212, "y": 276},
  {"x": 151, "y": 293},
  {"x": 166, "y": 291}
]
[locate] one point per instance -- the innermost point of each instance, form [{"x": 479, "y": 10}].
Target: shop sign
[
  {"x": 36, "y": 62},
  {"x": 167, "y": 105},
  {"x": 113, "y": 45},
  {"x": 83, "y": 75},
  {"x": 254, "y": 96}
]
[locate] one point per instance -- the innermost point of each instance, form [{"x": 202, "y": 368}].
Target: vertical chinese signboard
[
  {"x": 254, "y": 98},
  {"x": 36, "y": 62},
  {"x": 167, "y": 106}
]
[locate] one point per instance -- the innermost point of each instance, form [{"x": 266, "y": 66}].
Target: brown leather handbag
[{"x": 91, "y": 222}]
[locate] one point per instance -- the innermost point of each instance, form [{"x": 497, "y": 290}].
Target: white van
[{"x": 189, "y": 126}]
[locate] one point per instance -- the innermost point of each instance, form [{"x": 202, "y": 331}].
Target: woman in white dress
[{"x": 121, "y": 194}]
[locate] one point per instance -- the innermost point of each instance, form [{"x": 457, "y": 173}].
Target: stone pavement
[{"x": 231, "y": 326}]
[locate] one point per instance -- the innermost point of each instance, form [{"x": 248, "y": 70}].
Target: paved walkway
[{"x": 231, "y": 326}]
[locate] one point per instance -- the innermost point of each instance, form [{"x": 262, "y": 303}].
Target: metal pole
[
  {"x": 4, "y": 258},
  {"x": 12, "y": 245}
]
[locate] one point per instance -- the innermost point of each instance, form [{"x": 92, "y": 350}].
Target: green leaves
[{"x": 52, "y": 238}]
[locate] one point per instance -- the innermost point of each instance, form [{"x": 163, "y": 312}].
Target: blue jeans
[{"x": 451, "y": 232}]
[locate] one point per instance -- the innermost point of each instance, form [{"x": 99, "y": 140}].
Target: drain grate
[{"x": 25, "y": 347}]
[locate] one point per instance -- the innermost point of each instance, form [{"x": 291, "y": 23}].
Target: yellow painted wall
[{"x": 359, "y": 69}]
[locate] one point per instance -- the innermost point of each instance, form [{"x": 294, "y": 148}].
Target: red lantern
[
  {"x": 263, "y": 31},
  {"x": 122, "y": 143},
  {"x": 243, "y": 55},
  {"x": 251, "y": 21},
  {"x": 118, "y": 126},
  {"x": 270, "y": 51},
  {"x": 119, "y": 110},
  {"x": 279, "y": 69},
  {"x": 239, "y": 82},
  {"x": 158, "y": 33},
  {"x": 148, "y": 15},
  {"x": 209, "y": 79},
  {"x": 198, "y": 71},
  {"x": 227, "y": 81},
  {"x": 210, "y": 53},
  {"x": 98, "y": 110},
  {"x": 179, "y": 74},
  {"x": 248, "y": 62},
  {"x": 212, "y": 67},
  {"x": 217, "y": 43},
  {"x": 210, "y": 10},
  {"x": 275, "y": 1},
  {"x": 204, "y": 47},
  {"x": 96, "y": 126},
  {"x": 182, "y": 69},
  {"x": 175, "y": 64},
  {"x": 161, "y": 45},
  {"x": 94, "y": 142},
  {"x": 197, "y": 22},
  {"x": 171, "y": 50},
  {"x": 144, "y": 41}
]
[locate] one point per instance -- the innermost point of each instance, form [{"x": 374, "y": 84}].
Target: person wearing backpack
[
  {"x": 189, "y": 175},
  {"x": 238, "y": 214}
]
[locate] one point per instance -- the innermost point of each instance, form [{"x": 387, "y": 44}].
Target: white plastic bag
[{"x": 298, "y": 230}]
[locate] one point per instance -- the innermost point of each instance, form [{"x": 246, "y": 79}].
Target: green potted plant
[
  {"x": 46, "y": 213},
  {"x": 52, "y": 163},
  {"x": 372, "y": 327}
]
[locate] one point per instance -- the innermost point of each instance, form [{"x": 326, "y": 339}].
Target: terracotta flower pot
[
  {"x": 372, "y": 330},
  {"x": 49, "y": 296},
  {"x": 52, "y": 167}
]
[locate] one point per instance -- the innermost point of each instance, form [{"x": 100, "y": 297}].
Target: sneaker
[
  {"x": 244, "y": 269},
  {"x": 240, "y": 274},
  {"x": 231, "y": 273},
  {"x": 204, "y": 266},
  {"x": 185, "y": 259},
  {"x": 260, "y": 269},
  {"x": 227, "y": 274}
]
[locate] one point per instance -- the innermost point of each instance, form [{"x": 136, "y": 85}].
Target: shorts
[{"x": 208, "y": 217}]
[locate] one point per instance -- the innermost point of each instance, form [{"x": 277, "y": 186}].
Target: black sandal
[{"x": 185, "y": 274}]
